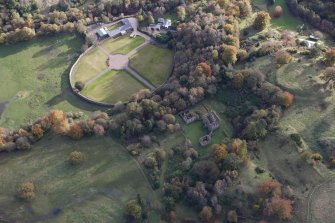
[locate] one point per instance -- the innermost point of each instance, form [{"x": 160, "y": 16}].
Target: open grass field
[
  {"x": 34, "y": 78},
  {"x": 112, "y": 87},
  {"x": 153, "y": 63},
  {"x": 122, "y": 45},
  {"x": 312, "y": 112},
  {"x": 279, "y": 155},
  {"x": 287, "y": 20},
  {"x": 90, "y": 65},
  {"x": 96, "y": 191}
]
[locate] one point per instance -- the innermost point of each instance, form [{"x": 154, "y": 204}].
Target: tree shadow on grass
[{"x": 69, "y": 96}]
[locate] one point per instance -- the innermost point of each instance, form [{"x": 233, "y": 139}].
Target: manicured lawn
[
  {"x": 34, "y": 78},
  {"x": 90, "y": 65},
  {"x": 95, "y": 191},
  {"x": 287, "y": 20},
  {"x": 122, "y": 45},
  {"x": 112, "y": 87},
  {"x": 153, "y": 63}
]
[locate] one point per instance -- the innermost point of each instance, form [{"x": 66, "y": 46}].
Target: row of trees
[{"x": 319, "y": 13}]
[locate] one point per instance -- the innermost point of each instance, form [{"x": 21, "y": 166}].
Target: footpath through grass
[
  {"x": 153, "y": 63},
  {"x": 90, "y": 65},
  {"x": 96, "y": 191},
  {"x": 34, "y": 78},
  {"x": 122, "y": 45},
  {"x": 112, "y": 87}
]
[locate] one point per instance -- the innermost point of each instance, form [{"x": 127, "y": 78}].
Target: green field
[
  {"x": 122, "y": 45},
  {"x": 287, "y": 20},
  {"x": 96, "y": 191},
  {"x": 153, "y": 63},
  {"x": 112, "y": 87},
  {"x": 34, "y": 78},
  {"x": 90, "y": 65}
]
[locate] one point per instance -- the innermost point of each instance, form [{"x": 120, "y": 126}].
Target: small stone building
[
  {"x": 211, "y": 121},
  {"x": 188, "y": 116},
  {"x": 205, "y": 140}
]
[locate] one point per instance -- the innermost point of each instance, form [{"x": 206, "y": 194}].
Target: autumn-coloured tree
[
  {"x": 277, "y": 11},
  {"x": 206, "y": 214},
  {"x": 283, "y": 57},
  {"x": 262, "y": 20},
  {"x": 76, "y": 158},
  {"x": 288, "y": 99},
  {"x": 330, "y": 57},
  {"x": 58, "y": 121},
  {"x": 26, "y": 191},
  {"x": 219, "y": 152},
  {"x": 229, "y": 55},
  {"x": 75, "y": 132},
  {"x": 37, "y": 131},
  {"x": 232, "y": 40},
  {"x": 270, "y": 187},
  {"x": 282, "y": 208},
  {"x": 204, "y": 68}
]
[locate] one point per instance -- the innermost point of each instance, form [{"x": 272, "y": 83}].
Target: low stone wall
[
  {"x": 76, "y": 92},
  {"x": 105, "y": 104}
]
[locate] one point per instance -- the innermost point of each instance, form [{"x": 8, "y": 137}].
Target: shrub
[
  {"x": 237, "y": 81},
  {"x": 133, "y": 209},
  {"x": 76, "y": 158},
  {"x": 232, "y": 216},
  {"x": 229, "y": 29},
  {"x": 206, "y": 214},
  {"x": 242, "y": 55},
  {"x": 262, "y": 20},
  {"x": 162, "y": 38},
  {"x": 329, "y": 77},
  {"x": 26, "y": 191},
  {"x": 79, "y": 85},
  {"x": 288, "y": 99},
  {"x": 330, "y": 57},
  {"x": 283, "y": 57},
  {"x": 22, "y": 143},
  {"x": 296, "y": 138}
]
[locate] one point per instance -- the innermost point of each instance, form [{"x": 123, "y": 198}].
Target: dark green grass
[
  {"x": 96, "y": 191},
  {"x": 34, "y": 77}
]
